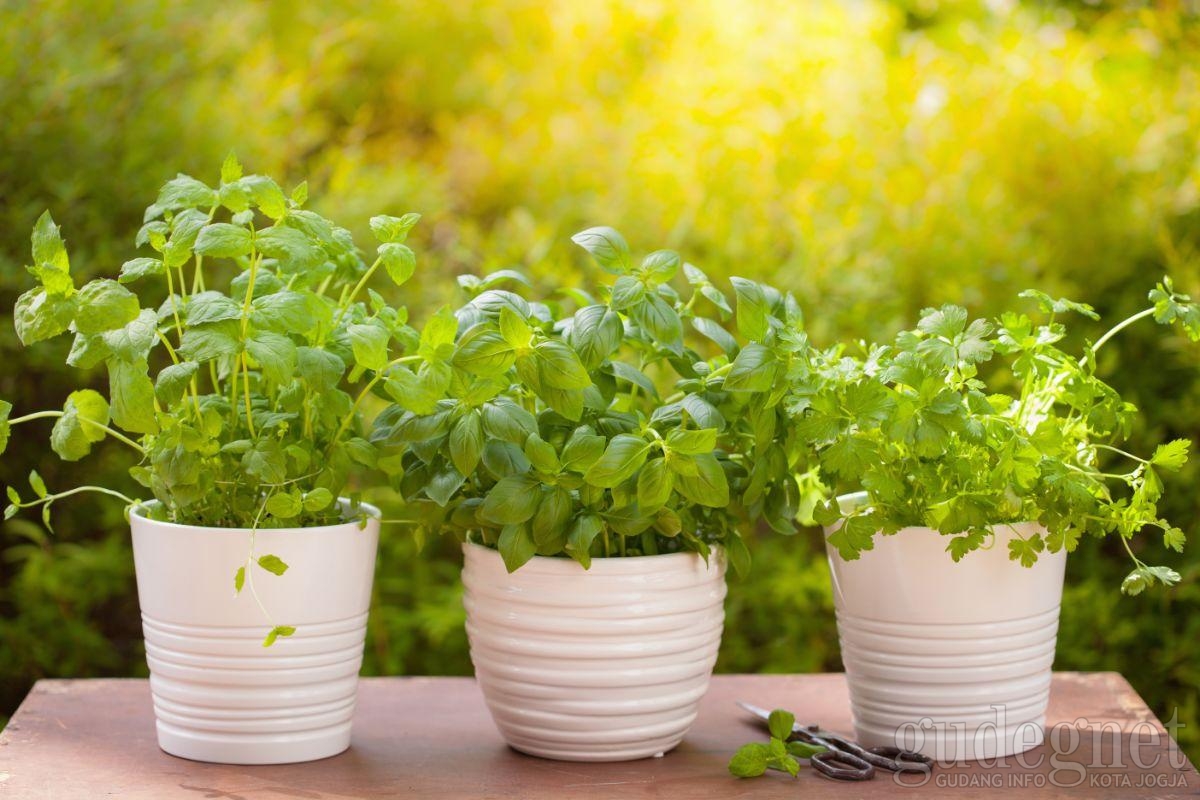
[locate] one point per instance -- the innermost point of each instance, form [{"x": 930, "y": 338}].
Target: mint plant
[
  {"x": 934, "y": 444},
  {"x": 634, "y": 424},
  {"x": 242, "y": 393},
  {"x": 778, "y": 753}
]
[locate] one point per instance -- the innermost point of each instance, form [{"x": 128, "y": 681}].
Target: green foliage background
[{"x": 873, "y": 157}]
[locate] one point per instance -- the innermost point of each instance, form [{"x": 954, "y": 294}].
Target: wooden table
[{"x": 433, "y": 738}]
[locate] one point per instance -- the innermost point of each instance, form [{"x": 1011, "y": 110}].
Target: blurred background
[{"x": 873, "y": 157}]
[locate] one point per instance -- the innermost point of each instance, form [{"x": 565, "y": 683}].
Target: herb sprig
[
  {"x": 915, "y": 425},
  {"x": 779, "y": 753},
  {"x": 636, "y": 424}
]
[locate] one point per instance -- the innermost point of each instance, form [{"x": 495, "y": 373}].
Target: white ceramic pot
[
  {"x": 219, "y": 695},
  {"x": 603, "y": 664},
  {"x": 951, "y": 659}
]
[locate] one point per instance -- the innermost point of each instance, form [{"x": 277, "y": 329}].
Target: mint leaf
[
  {"x": 85, "y": 415},
  {"x": 276, "y": 632},
  {"x": 272, "y": 563}
]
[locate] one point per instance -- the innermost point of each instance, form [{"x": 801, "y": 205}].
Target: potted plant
[
  {"x": 240, "y": 396},
  {"x": 948, "y": 564},
  {"x": 601, "y": 467}
]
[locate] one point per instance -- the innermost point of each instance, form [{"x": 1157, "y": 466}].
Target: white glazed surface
[
  {"x": 219, "y": 695},
  {"x": 925, "y": 638},
  {"x": 604, "y": 664}
]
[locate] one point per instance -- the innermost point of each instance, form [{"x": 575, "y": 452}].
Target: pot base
[{"x": 224, "y": 749}]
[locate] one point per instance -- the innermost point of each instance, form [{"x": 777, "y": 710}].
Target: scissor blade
[{"x": 763, "y": 714}]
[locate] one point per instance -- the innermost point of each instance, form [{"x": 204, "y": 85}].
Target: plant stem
[
  {"x": 347, "y": 301},
  {"x": 246, "y": 386},
  {"x": 1120, "y": 326},
  {"x": 120, "y": 437},
  {"x": 362, "y": 395},
  {"x": 50, "y": 498}
]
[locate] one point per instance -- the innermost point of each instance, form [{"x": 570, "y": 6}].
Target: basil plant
[
  {"x": 627, "y": 421},
  {"x": 239, "y": 351}
]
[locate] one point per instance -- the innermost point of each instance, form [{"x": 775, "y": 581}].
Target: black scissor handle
[
  {"x": 902, "y": 760},
  {"x": 842, "y": 766}
]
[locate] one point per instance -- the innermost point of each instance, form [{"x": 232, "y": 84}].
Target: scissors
[{"x": 845, "y": 760}]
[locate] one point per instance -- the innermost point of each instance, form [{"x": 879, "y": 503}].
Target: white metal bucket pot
[
  {"x": 604, "y": 664},
  {"x": 219, "y": 695},
  {"x": 951, "y": 659}
]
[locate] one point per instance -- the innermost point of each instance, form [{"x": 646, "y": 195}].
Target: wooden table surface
[{"x": 433, "y": 738}]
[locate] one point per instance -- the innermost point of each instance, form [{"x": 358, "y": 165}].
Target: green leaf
[
  {"x": 595, "y": 334},
  {"x": 780, "y": 723},
  {"x": 132, "y": 396},
  {"x": 692, "y": 442},
  {"x": 661, "y": 265},
  {"x": 37, "y": 484},
  {"x": 231, "y": 168},
  {"x": 138, "y": 268},
  {"x": 466, "y": 442},
  {"x": 282, "y": 312},
  {"x": 582, "y": 450},
  {"x": 239, "y": 580},
  {"x": 483, "y": 351},
  {"x": 184, "y": 191},
  {"x": 39, "y": 315},
  {"x": 606, "y": 246},
  {"x": 294, "y": 251},
  {"x": 623, "y": 457},
  {"x": 275, "y": 354},
  {"x": 223, "y": 240},
  {"x": 50, "y": 260},
  {"x": 208, "y": 307},
  {"x": 579, "y": 542},
  {"x": 5, "y": 429},
  {"x": 514, "y": 328},
  {"x": 266, "y": 461},
  {"x": 283, "y": 505},
  {"x": 512, "y": 501},
  {"x": 709, "y": 486},
  {"x": 560, "y": 367},
  {"x": 369, "y": 341},
  {"x": 104, "y": 305},
  {"x": 1145, "y": 576},
  {"x": 552, "y": 522},
  {"x": 399, "y": 261},
  {"x": 319, "y": 367},
  {"x": 393, "y": 229},
  {"x": 654, "y": 485},
  {"x": 516, "y": 546},
  {"x": 541, "y": 454},
  {"x": 1171, "y": 455},
  {"x": 627, "y": 293},
  {"x": 753, "y": 311},
  {"x": 272, "y": 563},
  {"x": 856, "y": 534},
  {"x": 85, "y": 414},
  {"x": 1026, "y": 550},
  {"x": 214, "y": 340},
  {"x": 317, "y": 500},
  {"x": 658, "y": 317},
  {"x": 753, "y": 370},
  {"x": 750, "y": 761},
  {"x": 276, "y": 632}
]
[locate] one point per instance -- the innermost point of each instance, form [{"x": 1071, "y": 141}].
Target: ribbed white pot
[
  {"x": 603, "y": 664},
  {"x": 951, "y": 659},
  {"x": 219, "y": 695}
]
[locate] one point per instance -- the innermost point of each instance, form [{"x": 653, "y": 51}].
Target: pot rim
[
  {"x": 600, "y": 564},
  {"x": 138, "y": 509}
]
